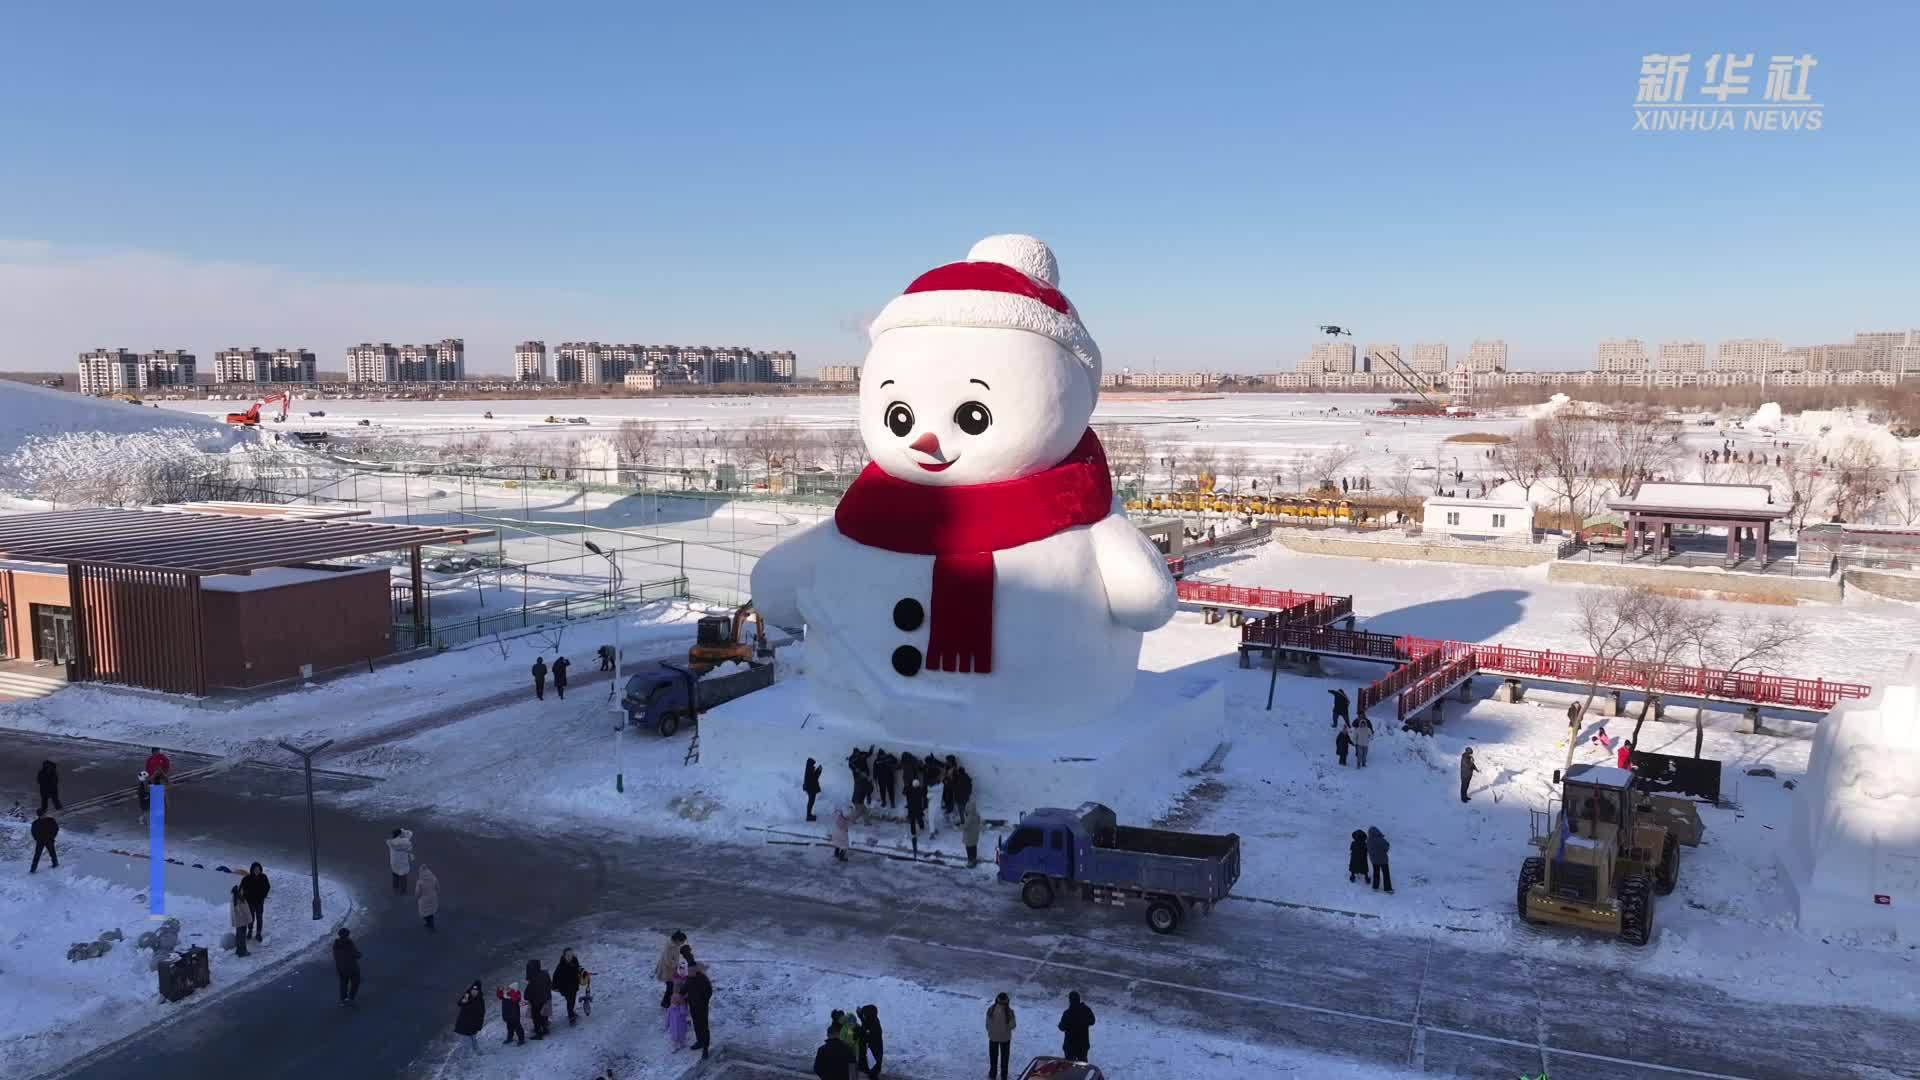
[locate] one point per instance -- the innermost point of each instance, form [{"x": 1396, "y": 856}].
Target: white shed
[{"x": 1478, "y": 517}]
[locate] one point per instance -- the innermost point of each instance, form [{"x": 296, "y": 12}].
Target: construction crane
[
  {"x": 251, "y": 418},
  {"x": 1391, "y": 363}
]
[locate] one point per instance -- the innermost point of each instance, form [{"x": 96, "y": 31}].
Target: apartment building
[
  {"x": 530, "y": 362},
  {"x": 1878, "y": 348},
  {"x": 1622, "y": 356},
  {"x": 370, "y": 363},
  {"x": 1906, "y": 358},
  {"x": 1839, "y": 357},
  {"x": 1173, "y": 380},
  {"x": 785, "y": 365},
  {"x": 1683, "y": 356},
  {"x": 1381, "y": 357},
  {"x": 1487, "y": 356},
  {"x": 1330, "y": 356},
  {"x": 1748, "y": 354},
  {"x": 1429, "y": 357},
  {"x": 849, "y": 375},
  {"x": 254, "y": 364},
  {"x": 116, "y": 371},
  {"x": 576, "y": 362}
]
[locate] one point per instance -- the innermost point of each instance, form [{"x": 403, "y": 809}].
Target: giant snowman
[{"x": 979, "y": 576}]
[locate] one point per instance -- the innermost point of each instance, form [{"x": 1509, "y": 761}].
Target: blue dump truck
[
  {"x": 663, "y": 696},
  {"x": 1173, "y": 873}
]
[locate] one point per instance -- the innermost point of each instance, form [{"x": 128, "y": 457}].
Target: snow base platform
[{"x": 1133, "y": 760}]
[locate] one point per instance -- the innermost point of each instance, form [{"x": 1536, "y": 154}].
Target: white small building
[{"x": 1497, "y": 518}]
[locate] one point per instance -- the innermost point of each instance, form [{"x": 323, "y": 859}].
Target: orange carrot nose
[{"x": 927, "y": 443}]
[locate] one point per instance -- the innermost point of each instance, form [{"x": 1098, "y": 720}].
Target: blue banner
[{"x": 157, "y": 852}]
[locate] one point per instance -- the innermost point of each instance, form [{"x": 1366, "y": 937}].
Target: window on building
[
  {"x": 1499, "y": 521},
  {"x": 1453, "y": 517}
]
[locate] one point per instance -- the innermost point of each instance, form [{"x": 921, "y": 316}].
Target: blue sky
[{"x": 1216, "y": 180}]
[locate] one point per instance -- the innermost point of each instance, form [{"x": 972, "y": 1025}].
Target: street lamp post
[
  {"x": 614, "y": 579},
  {"x": 313, "y": 832}
]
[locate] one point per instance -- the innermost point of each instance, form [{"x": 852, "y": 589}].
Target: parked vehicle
[
  {"x": 1057, "y": 1068},
  {"x": 1173, "y": 873},
  {"x": 663, "y": 695}
]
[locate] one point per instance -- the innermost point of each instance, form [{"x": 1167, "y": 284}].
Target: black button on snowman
[{"x": 908, "y": 614}]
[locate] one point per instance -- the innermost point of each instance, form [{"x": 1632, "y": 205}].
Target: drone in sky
[{"x": 1336, "y": 331}]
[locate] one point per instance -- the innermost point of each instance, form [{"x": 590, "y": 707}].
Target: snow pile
[
  {"x": 1853, "y": 859},
  {"x": 104, "y": 469},
  {"x": 32, "y": 413},
  {"x": 1766, "y": 418},
  {"x": 1549, "y": 407}
]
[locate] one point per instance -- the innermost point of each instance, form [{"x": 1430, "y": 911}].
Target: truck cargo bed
[{"x": 1166, "y": 842}]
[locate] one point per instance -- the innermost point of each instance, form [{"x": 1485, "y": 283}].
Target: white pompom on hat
[{"x": 1010, "y": 281}]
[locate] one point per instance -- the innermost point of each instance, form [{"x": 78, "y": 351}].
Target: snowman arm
[
  {"x": 785, "y": 570},
  {"x": 1140, "y": 592}
]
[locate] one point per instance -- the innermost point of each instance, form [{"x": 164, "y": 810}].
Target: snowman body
[{"x": 946, "y": 406}]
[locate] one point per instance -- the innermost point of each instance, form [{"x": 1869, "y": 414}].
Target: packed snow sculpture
[
  {"x": 979, "y": 576},
  {"x": 1853, "y": 856}
]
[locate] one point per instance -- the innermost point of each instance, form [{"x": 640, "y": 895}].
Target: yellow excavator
[{"x": 719, "y": 638}]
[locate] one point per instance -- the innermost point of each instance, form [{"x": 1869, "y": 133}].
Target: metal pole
[{"x": 313, "y": 830}]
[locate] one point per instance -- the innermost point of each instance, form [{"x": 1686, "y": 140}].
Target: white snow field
[
  {"x": 30, "y": 413},
  {"x": 71, "y": 1007}
]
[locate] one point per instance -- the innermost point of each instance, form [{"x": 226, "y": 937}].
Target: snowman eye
[
  {"x": 972, "y": 417},
  {"x": 899, "y": 419}
]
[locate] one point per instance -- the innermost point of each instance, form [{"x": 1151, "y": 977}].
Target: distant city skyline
[{"x": 1216, "y": 182}]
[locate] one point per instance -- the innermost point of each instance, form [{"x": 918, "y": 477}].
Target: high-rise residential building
[
  {"x": 1381, "y": 358},
  {"x": 1906, "y": 358},
  {"x": 1623, "y": 356},
  {"x": 1793, "y": 360},
  {"x": 371, "y": 363},
  {"x": 576, "y": 362},
  {"x": 785, "y": 365},
  {"x": 1878, "y": 346},
  {"x": 293, "y": 366},
  {"x": 168, "y": 368},
  {"x": 1331, "y": 356},
  {"x": 530, "y": 361},
  {"x": 449, "y": 360},
  {"x": 1748, "y": 354},
  {"x": 1487, "y": 356},
  {"x": 849, "y": 374},
  {"x": 237, "y": 365},
  {"x": 1429, "y": 358},
  {"x": 111, "y": 371},
  {"x": 1683, "y": 356},
  {"x": 1840, "y": 357}
]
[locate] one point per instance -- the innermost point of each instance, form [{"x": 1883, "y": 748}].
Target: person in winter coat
[
  {"x": 426, "y": 892},
  {"x": 1624, "y": 757},
  {"x": 606, "y": 655},
  {"x": 1340, "y": 706},
  {"x": 679, "y": 1016},
  {"x": 970, "y": 832},
  {"x": 840, "y": 824},
  {"x": 1357, "y": 858},
  {"x": 49, "y": 780},
  {"x": 810, "y": 783},
  {"x": 1573, "y": 721},
  {"x": 241, "y": 919},
  {"x": 566, "y": 982},
  {"x": 560, "y": 666},
  {"x": 143, "y": 787},
  {"x": 909, "y": 770},
  {"x": 885, "y": 770},
  {"x": 255, "y": 887},
  {"x": 947, "y": 806},
  {"x": 833, "y": 1061},
  {"x": 873, "y": 1041},
  {"x": 699, "y": 1004},
  {"x": 916, "y": 812},
  {"x": 540, "y": 678},
  {"x": 346, "y": 964},
  {"x": 1467, "y": 769},
  {"x": 847, "y": 1030},
  {"x": 664, "y": 967},
  {"x": 539, "y": 995},
  {"x": 472, "y": 1016},
  {"x": 400, "y": 859},
  {"x": 1000, "y": 1025},
  {"x": 862, "y": 784},
  {"x": 1362, "y": 734},
  {"x": 1377, "y": 853},
  {"x": 510, "y": 1013},
  {"x": 960, "y": 786},
  {"x": 1077, "y": 1023},
  {"x": 44, "y": 829},
  {"x": 1340, "y": 744},
  {"x": 159, "y": 767}
]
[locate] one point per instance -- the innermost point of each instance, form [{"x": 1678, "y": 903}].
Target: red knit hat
[{"x": 1008, "y": 281}]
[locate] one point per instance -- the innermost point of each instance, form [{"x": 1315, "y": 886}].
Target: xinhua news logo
[{"x": 1723, "y": 99}]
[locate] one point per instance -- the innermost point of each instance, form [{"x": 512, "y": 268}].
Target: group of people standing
[
  {"x": 856, "y": 1046},
  {"x": 687, "y": 994},
  {"x": 533, "y": 998},
  {"x": 879, "y": 777}
]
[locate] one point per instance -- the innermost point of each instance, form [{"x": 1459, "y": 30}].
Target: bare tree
[
  {"x": 1401, "y": 482},
  {"x": 768, "y": 442},
  {"x": 844, "y": 447},
  {"x": 1635, "y": 444},
  {"x": 1333, "y": 461},
  {"x": 638, "y": 440},
  {"x": 1296, "y": 472},
  {"x": 1803, "y": 481},
  {"x": 1173, "y": 456},
  {"x": 1568, "y": 449},
  {"x": 1906, "y": 498},
  {"x": 1125, "y": 452},
  {"x": 1860, "y": 480},
  {"x": 1741, "y": 647},
  {"x": 1611, "y": 624},
  {"x": 1233, "y": 466}
]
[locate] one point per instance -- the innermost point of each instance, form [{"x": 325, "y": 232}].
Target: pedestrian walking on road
[
  {"x": 159, "y": 766},
  {"x": 346, "y": 964},
  {"x": 143, "y": 787},
  {"x": 1357, "y": 858},
  {"x": 699, "y": 1004},
  {"x": 810, "y": 783},
  {"x": 471, "y": 1016},
  {"x": 1340, "y": 744},
  {"x": 916, "y": 813},
  {"x": 426, "y": 892},
  {"x": 560, "y": 666},
  {"x": 566, "y": 982},
  {"x": 1077, "y": 1023},
  {"x": 539, "y": 678},
  {"x": 1467, "y": 769},
  {"x": 679, "y": 1016},
  {"x": 606, "y": 655},
  {"x": 1362, "y": 739},
  {"x": 1377, "y": 847},
  {"x": 970, "y": 832},
  {"x": 840, "y": 824},
  {"x": 665, "y": 966},
  {"x": 1340, "y": 705},
  {"x": 873, "y": 1041},
  {"x": 400, "y": 859},
  {"x": 539, "y": 994},
  {"x": 44, "y": 830},
  {"x": 255, "y": 887},
  {"x": 510, "y": 1013},
  {"x": 1000, "y": 1024},
  {"x": 49, "y": 780},
  {"x": 242, "y": 918},
  {"x": 833, "y": 1061}
]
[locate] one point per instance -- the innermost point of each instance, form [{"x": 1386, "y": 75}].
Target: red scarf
[{"x": 961, "y": 527}]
